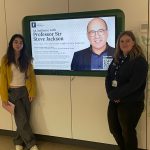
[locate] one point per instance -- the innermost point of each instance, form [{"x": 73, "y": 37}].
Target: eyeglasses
[{"x": 100, "y": 32}]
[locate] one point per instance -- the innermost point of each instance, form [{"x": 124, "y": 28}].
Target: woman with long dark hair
[{"x": 18, "y": 86}]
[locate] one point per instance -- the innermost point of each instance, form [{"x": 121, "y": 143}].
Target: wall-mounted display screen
[{"x": 80, "y": 43}]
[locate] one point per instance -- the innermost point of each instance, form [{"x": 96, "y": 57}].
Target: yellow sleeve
[
  {"x": 31, "y": 81},
  {"x": 3, "y": 81}
]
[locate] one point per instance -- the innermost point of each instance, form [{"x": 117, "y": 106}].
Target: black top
[
  {"x": 82, "y": 59},
  {"x": 130, "y": 76}
]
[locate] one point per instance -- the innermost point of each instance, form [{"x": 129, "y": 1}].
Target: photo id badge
[{"x": 114, "y": 83}]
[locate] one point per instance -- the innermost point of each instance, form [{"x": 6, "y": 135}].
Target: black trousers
[
  {"x": 24, "y": 136},
  {"x": 122, "y": 120}
]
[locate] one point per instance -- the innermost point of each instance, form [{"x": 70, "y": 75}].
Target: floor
[{"x": 7, "y": 144}]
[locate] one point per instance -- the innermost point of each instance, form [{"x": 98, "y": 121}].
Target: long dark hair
[
  {"x": 24, "y": 59},
  {"x": 136, "y": 50}
]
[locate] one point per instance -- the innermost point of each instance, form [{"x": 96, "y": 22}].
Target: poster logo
[{"x": 33, "y": 24}]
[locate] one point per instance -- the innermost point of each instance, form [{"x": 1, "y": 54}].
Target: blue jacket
[{"x": 82, "y": 59}]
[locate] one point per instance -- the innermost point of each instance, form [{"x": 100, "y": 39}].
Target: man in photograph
[{"x": 99, "y": 55}]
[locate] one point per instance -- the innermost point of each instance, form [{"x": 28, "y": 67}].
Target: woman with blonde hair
[{"x": 125, "y": 85}]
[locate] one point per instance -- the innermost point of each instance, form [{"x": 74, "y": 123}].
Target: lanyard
[{"x": 122, "y": 59}]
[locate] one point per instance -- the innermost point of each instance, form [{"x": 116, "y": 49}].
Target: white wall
[{"x": 83, "y": 104}]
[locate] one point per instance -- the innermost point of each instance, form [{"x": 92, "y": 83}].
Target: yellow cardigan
[{"x": 6, "y": 77}]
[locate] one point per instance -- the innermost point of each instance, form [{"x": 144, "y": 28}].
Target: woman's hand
[
  {"x": 8, "y": 106},
  {"x": 4, "y": 103},
  {"x": 31, "y": 99}
]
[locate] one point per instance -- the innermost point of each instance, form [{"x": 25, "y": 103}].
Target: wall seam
[
  {"x": 147, "y": 94},
  {"x": 5, "y": 16},
  {"x": 5, "y": 19}
]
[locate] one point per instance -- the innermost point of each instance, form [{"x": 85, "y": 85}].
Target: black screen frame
[{"x": 120, "y": 25}]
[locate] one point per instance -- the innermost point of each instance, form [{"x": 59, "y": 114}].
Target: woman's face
[
  {"x": 17, "y": 44},
  {"x": 126, "y": 44}
]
